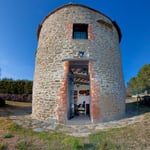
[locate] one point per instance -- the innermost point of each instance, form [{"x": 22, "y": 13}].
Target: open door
[
  {"x": 70, "y": 95},
  {"x": 78, "y": 90}
]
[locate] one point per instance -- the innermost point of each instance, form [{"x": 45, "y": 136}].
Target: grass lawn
[{"x": 14, "y": 137}]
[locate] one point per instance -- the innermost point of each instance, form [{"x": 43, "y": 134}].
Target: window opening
[{"x": 80, "y": 31}]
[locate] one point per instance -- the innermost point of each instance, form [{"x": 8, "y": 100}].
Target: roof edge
[{"x": 118, "y": 30}]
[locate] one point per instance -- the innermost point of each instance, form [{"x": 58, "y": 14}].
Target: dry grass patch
[
  {"x": 18, "y": 104},
  {"x": 5, "y": 123},
  {"x": 134, "y": 136}
]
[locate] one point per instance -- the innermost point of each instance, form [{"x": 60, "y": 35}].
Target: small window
[{"x": 80, "y": 31}]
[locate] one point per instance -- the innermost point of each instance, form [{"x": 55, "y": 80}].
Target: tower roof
[{"x": 80, "y": 5}]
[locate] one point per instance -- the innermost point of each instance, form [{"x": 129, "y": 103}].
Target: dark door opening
[{"x": 78, "y": 90}]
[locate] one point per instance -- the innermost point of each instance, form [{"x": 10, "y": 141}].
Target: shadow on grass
[
  {"x": 135, "y": 108},
  {"x": 89, "y": 146},
  {"x": 15, "y": 108}
]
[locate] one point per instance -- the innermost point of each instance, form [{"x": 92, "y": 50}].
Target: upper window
[{"x": 80, "y": 31}]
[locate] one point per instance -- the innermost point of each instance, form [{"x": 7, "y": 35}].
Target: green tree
[
  {"x": 133, "y": 86},
  {"x": 15, "y": 86},
  {"x": 6, "y": 85},
  {"x": 144, "y": 77},
  {"x": 139, "y": 84},
  {"x": 28, "y": 87}
]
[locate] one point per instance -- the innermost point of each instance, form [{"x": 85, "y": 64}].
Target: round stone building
[{"x": 78, "y": 70}]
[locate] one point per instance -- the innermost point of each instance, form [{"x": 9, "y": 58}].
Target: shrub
[{"x": 8, "y": 135}]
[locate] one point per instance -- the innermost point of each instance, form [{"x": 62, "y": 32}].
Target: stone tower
[{"x": 78, "y": 61}]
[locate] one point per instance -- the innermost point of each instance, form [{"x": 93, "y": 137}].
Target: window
[{"x": 80, "y": 31}]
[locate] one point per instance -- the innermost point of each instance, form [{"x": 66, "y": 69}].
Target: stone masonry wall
[{"x": 55, "y": 44}]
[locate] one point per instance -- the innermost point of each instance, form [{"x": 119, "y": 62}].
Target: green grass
[
  {"x": 73, "y": 143},
  {"x": 24, "y": 145},
  {"x": 3, "y": 146},
  {"x": 15, "y": 128},
  {"x": 102, "y": 141},
  {"x": 113, "y": 139},
  {"x": 135, "y": 136},
  {"x": 8, "y": 135}
]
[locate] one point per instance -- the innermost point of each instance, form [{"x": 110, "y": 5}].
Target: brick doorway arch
[{"x": 65, "y": 105}]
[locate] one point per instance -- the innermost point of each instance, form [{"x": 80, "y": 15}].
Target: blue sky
[{"x": 19, "y": 21}]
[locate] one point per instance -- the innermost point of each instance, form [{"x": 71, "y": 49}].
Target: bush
[
  {"x": 2, "y": 102},
  {"x": 8, "y": 135}
]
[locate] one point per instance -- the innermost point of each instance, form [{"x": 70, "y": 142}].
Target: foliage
[
  {"x": 132, "y": 85},
  {"x": 8, "y": 135},
  {"x": 141, "y": 82},
  {"x": 144, "y": 77},
  {"x": 11, "y": 86}
]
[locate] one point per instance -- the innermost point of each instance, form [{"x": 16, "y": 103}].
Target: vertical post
[{"x": 62, "y": 103}]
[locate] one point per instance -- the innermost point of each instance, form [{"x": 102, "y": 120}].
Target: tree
[
  {"x": 144, "y": 77},
  {"x": 133, "y": 86},
  {"x": 141, "y": 83},
  {"x": 11, "y": 86},
  {"x": 28, "y": 87}
]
